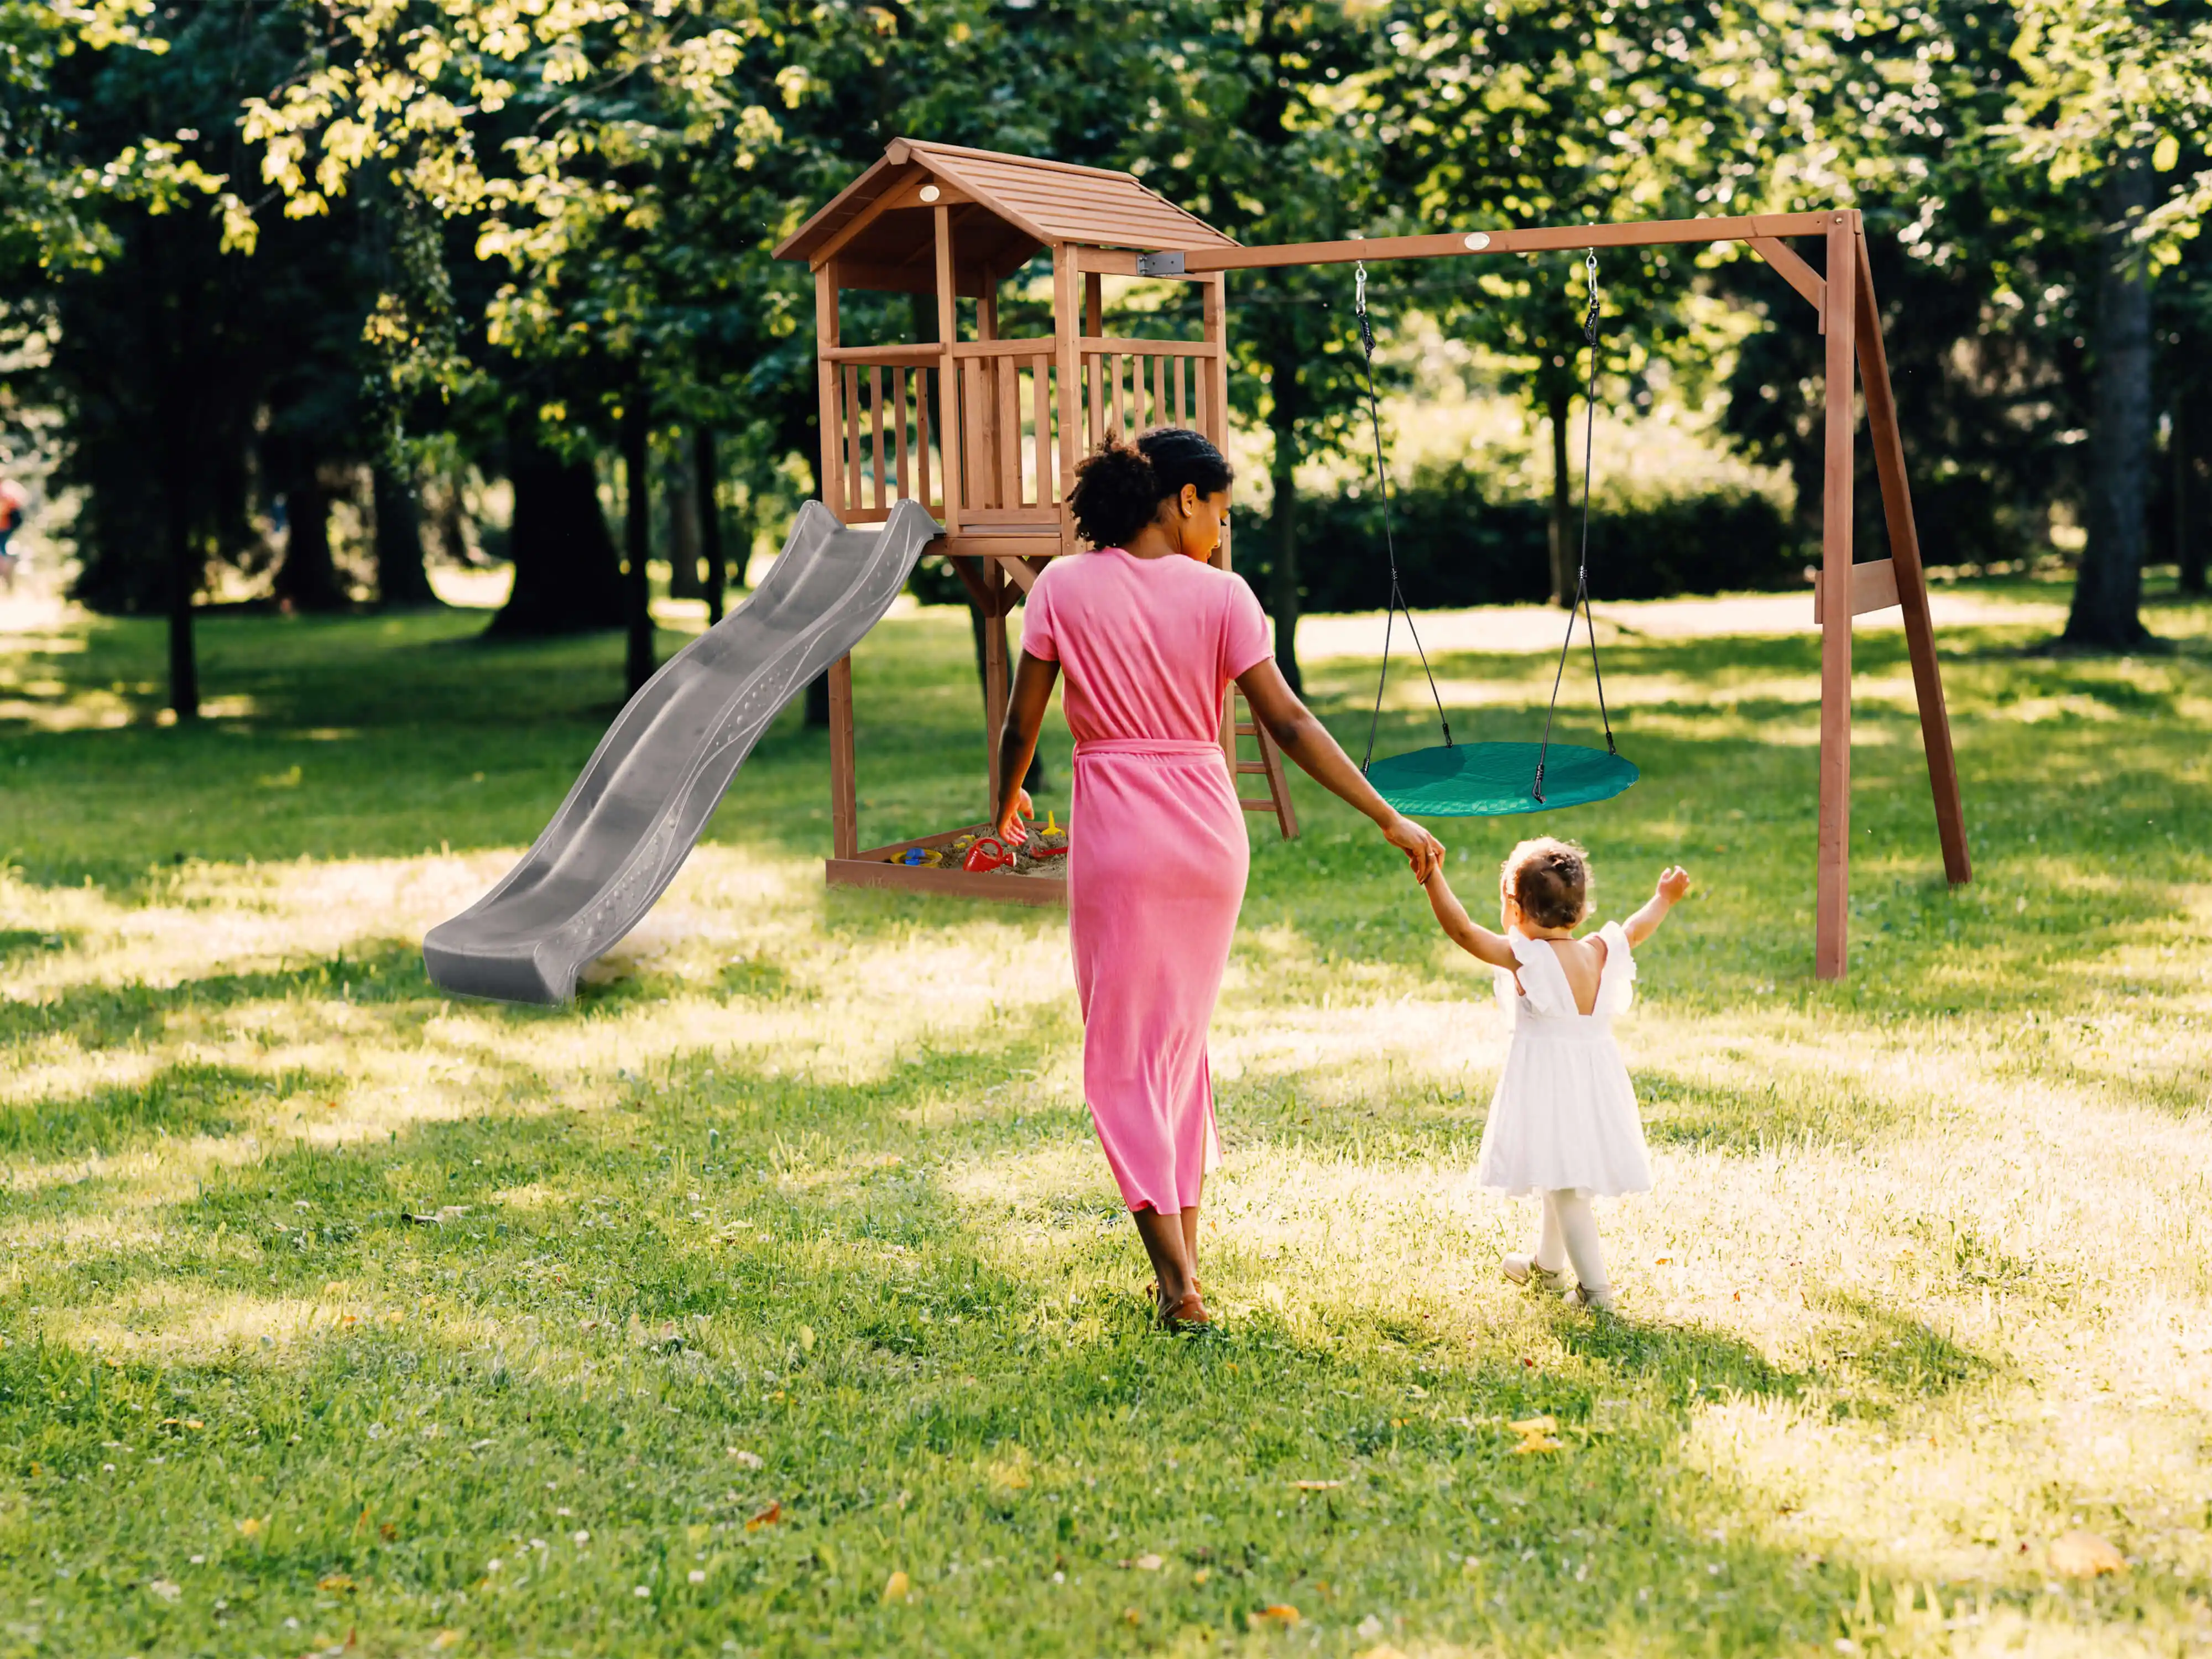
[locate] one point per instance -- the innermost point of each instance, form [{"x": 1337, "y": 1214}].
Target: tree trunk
[
  {"x": 186, "y": 569},
  {"x": 1557, "y": 401},
  {"x": 401, "y": 579},
  {"x": 706, "y": 477},
  {"x": 2188, "y": 533},
  {"x": 679, "y": 491},
  {"x": 1284, "y": 523},
  {"x": 567, "y": 577},
  {"x": 2108, "y": 592},
  {"x": 637, "y": 505},
  {"x": 308, "y": 580}
]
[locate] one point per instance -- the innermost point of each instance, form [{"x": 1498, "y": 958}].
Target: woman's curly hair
[
  {"x": 1550, "y": 879},
  {"x": 1119, "y": 486}
]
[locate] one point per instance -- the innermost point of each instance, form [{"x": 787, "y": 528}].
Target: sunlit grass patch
[{"x": 785, "y": 1262}]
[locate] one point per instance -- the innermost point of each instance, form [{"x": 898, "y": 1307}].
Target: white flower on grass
[
  {"x": 640, "y": 1592},
  {"x": 580, "y": 1537},
  {"x": 696, "y": 1577}
]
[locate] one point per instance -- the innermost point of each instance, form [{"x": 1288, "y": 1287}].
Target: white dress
[{"x": 1565, "y": 1115}]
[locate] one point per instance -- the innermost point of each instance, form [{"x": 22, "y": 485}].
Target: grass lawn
[{"x": 775, "y": 1298}]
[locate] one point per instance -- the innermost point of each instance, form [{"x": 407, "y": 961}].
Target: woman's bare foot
[{"x": 1187, "y": 1313}]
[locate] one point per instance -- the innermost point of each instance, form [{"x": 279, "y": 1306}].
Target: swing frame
[
  {"x": 1843, "y": 301},
  {"x": 937, "y": 221}
]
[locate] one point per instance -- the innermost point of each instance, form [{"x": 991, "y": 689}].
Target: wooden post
[
  {"x": 1912, "y": 577},
  {"x": 948, "y": 374},
  {"x": 995, "y": 677},
  {"x": 844, "y": 799},
  {"x": 1831, "y": 904},
  {"x": 1213, "y": 419},
  {"x": 1066, "y": 327},
  {"x": 826, "y": 341}
]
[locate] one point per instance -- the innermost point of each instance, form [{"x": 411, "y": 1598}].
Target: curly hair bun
[
  {"x": 1550, "y": 879},
  {"x": 1120, "y": 485}
]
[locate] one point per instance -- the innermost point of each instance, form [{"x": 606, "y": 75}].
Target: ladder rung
[
  {"x": 1251, "y": 766},
  {"x": 1244, "y": 731},
  {"x": 1262, "y": 804}
]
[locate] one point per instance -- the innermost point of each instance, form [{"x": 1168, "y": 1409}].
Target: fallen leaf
[
  {"x": 1281, "y": 1613},
  {"x": 767, "y": 1517},
  {"x": 1146, "y": 1564},
  {"x": 1315, "y": 1486},
  {"x": 446, "y": 1638},
  {"x": 1130, "y": 1615},
  {"x": 1201, "y": 1575},
  {"x": 2084, "y": 1555},
  {"x": 806, "y": 1338},
  {"x": 251, "y": 1527},
  {"x": 1535, "y": 1426},
  {"x": 896, "y": 1587},
  {"x": 337, "y": 1582}
]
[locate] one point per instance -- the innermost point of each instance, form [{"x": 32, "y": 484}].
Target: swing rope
[
  {"x": 1389, "y": 551},
  {"x": 1582, "y": 570}
]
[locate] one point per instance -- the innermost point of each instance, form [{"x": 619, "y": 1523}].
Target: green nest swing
[{"x": 1491, "y": 779}]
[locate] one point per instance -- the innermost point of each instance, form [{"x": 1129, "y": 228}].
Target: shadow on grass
[
  {"x": 1700, "y": 1115},
  {"x": 190, "y": 1099}
]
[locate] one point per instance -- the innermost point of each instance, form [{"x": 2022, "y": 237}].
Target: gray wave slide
[{"x": 634, "y": 816}]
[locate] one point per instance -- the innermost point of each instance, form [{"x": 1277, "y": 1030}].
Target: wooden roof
[{"x": 1005, "y": 208}]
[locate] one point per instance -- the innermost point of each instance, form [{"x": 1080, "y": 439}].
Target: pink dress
[{"x": 1157, "y": 853}]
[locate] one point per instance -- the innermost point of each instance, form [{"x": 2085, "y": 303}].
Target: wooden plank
[
  {"x": 1007, "y": 541},
  {"x": 829, "y": 249},
  {"x": 844, "y": 796},
  {"x": 970, "y": 571},
  {"x": 1092, "y": 343},
  {"x": 1094, "y": 304},
  {"x": 1121, "y": 412},
  {"x": 1042, "y": 890},
  {"x": 1041, "y": 427},
  {"x": 1179, "y": 364},
  {"x": 876, "y": 417},
  {"x": 1796, "y": 273},
  {"x": 1019, "y": 570},
  {"x": 1008, "y": 373},
  {"x": 1278, "y": 783},
  {"x": 1160, "y": 391},
  {"x": 1003, "y": 519},
  {"x": 1832, "y": 898},
  {"x": 1029, "y": 345},
  {"x": 825, "y": 375},
  {"x": 910, "y": 195},
  {"x": 1066, "y": 327},
  {"x": 1215, "y": 418},
  {"x": 854, "y": 485},
  {"x": 948, "y": 383},
  {"x": 1873, "y": 587},
  {"x": 995, "y": 679},
  {"x": 1911, "y": 578},
  {"x": 899, "y": 405},
  {"x": 909, "y": 355},
  {"x": 921, "y": 438},
  {"x": 1656, "y": 232}
]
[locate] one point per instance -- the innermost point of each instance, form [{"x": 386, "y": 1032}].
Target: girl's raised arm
[
  {"x": 1470, "y": 935},
  {"x": 1673, "y": 882}
]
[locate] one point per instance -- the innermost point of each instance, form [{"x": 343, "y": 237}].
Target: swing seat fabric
[{"x": 1496, "y": 780}]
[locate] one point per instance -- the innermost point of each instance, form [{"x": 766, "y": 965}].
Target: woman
[{"x": 1150, "y": 635}]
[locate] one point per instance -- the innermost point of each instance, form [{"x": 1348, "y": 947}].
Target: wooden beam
[
  {"x": 970, "y": 571},
  {"x": 1832, "y": 895},
  {"x": 969, "y": 281},
  {"x": 995, "y": 682},
  {"x": 1873, "y": 587},
  {"x": 1022, "y": 572},
  {"x": 948, "y": 374},
  {"x": 844, "y": 795},
  {"x": 1911, "y": 578},
  {"x": 1796, "y": 273},
  {"x": 1536, "y": 240},
  {"x": 1068, "y": 376},
  {"x": 825, "y": 373}
]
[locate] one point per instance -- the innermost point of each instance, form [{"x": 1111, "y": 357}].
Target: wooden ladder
[{"x": 1236, "y": 724}]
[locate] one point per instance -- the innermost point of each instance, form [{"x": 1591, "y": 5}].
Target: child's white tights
[{"x": 1569, "y": 1231}]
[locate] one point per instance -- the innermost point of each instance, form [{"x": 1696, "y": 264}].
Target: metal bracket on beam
[{"x": 1160, "y": 264}]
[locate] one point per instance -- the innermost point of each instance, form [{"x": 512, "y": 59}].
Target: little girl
[{"x": 1563, "y": 1123}]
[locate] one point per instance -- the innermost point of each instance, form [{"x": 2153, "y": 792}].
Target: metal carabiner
[
  {"x": 1359, "y": 287},
  {"x": 1589, "y": 319}
]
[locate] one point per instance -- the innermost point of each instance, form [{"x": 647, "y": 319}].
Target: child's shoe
[
  {"x": 1521, "y": 1268},
  {"x": 1583, "y": 1296}
]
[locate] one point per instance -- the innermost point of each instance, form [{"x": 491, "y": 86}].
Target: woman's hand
[
  {"x": 1011, "y": 815},
  {"x": 1423, "y": 850}
]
